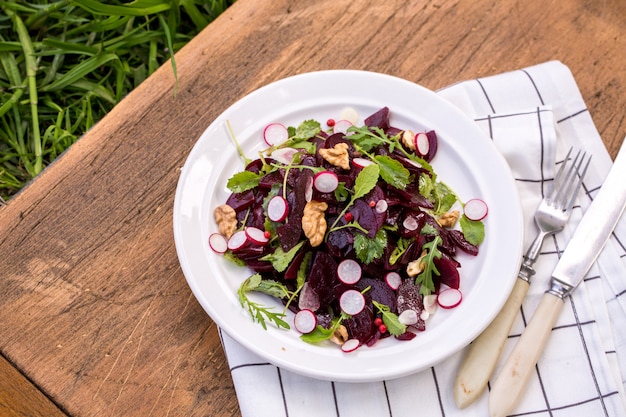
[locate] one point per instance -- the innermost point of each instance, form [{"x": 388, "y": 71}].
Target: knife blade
[{"x": 581, "y": 252}]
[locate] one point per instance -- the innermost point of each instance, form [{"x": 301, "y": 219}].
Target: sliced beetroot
[
  {"x": 218, "y": 243},
  {"x": 274, "y": 177},
  {"x": 462, "y": 243},
  {"x": 349, "y": 271},
  {"x": 449, "y": 298},
  {"x": 292, "y": 270},
  {"x": 448, "y": 270},
  {"x": 240, "y": 201},
  {"x": 409, "y": 298},
  {"x": 378, "y": 291},
  {"x": 305, "y": 321},
  {"x": 308, "y": 298},
  {"x": 361, "y": 326},
  {"x": 379, "y": 119},
  {"x": 406, "y": 336},
  {"x": 323, "y": 278}
]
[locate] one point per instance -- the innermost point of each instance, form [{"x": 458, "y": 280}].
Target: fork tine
[
  {"x": 568, "y": 189},
  {"x": 558, "y": 178}
]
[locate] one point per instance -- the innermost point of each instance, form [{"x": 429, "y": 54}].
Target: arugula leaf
[
  {"x": 369, "y": 249},
  {"x": 243, "y": 181},
  {"x": 392, "y": 171},
  {"x": 280, "y": 260},
  {"x": 394, "y": 327},
  {"x": 257, "y": 311},
  {"x": 474, "y": 231},
  {"x": 425, "y": 278}
]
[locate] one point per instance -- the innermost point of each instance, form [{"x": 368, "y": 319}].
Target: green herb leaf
[
  {"x": 307, "y": 129},
  {"x": 258, "y": 312},
  {"x": 280, "y": 260},
  {"x": 319, "y": 334},
  {"x": 401, "y": 247},
  {"x": 369, "y": 249},
  {"x": 392, "y": 171},
  {"x": 365, "y": 181},
  {"x": 365, "y": 139},
  {"x": 474, "y": 231},
  {"x": 243, "y": 181},
  {"x": 394, "y": 327},
  {"x": 425, "y": 279}
]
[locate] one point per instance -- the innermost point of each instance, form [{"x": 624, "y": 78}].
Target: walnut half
[
  {"x": 313, "y": 221},
  {"x": 226, "y": 219},
  {"x": 449, "y": 219},
  {"x": 337, "y": 156}
]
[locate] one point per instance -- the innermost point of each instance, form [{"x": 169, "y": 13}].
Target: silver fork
[{"x": 550, "y": 217}]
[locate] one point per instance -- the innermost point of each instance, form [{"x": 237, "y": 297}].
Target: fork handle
[
  {"x": 509, "y": 386},
  {"x": 482, "y": 355}
]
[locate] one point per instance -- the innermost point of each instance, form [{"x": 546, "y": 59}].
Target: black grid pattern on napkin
[{"x": 265, "y": 390}]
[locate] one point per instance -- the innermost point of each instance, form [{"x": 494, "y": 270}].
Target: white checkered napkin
[{"x": 533, "y": 116}]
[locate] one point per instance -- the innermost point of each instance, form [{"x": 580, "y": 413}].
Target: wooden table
[{"x": 96, "y": 318}]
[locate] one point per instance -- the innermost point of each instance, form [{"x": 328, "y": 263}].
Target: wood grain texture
[{"x": 94, "y": 308}]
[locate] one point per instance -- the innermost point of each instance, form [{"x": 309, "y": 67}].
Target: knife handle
[
  {"x": 482, "y": 355},
  {"x": 509, "y": 386}
]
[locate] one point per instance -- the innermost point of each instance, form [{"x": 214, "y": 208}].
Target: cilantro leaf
[
  {"x": 369, "y": 249},
  {"x": 425, "y": 278},
  {"x": 394, "y": 327},
  {"x": 392, "y": 171},
  {"x": 243, "y": 181},
  {"x": 474, "y": 231}
]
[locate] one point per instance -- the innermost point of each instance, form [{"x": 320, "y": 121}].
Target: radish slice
[
  {"x": 408, "y": 317},
  {"x": 308, "y": 189},
  {"x": 352, "y": 302},
  {"x": 350, "y": 345},
  {"x": 361, "y": 162},
  {"x": 237, "y": 240},
  {"x": 449, "y": 298},
  {"x": 275, "y": 133},
  {"x": 393, "y": 279},
  {"x": 342, "y": 126},
  {"x": 350, "y": 114},
  {"x": 430, "y": 303},
  {"x": 218, "y": 243},
  {"x": 422, "y": 145},
  {"x": 325, "y": 181},
  {"x": 410, "y": 223},
  {"x": 256, "y": 235},
  {"x": 284, "y": 155},
  {"x": 349, "y": 271},
  {"x": 305, "y": 321},
  {"x": 475, "y": 209},
  {"x": 381, "y": 206},
  {"x": 277, "y": 209}
]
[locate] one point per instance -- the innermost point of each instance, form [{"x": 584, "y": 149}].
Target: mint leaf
[
  {"x": 474, "y": 231},
  {"x": 369, "y": 249},
  {"x": 392, "y": 171},
  {"x": 243, "y": 181}
]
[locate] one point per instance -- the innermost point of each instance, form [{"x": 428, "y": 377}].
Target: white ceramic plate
[{"x": 466, "y": 160}]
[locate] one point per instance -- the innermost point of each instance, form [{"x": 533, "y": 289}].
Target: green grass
[{"x": 64, "y": 64}]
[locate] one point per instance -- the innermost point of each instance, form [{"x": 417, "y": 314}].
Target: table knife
[{"x": 581, "y": 252}]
